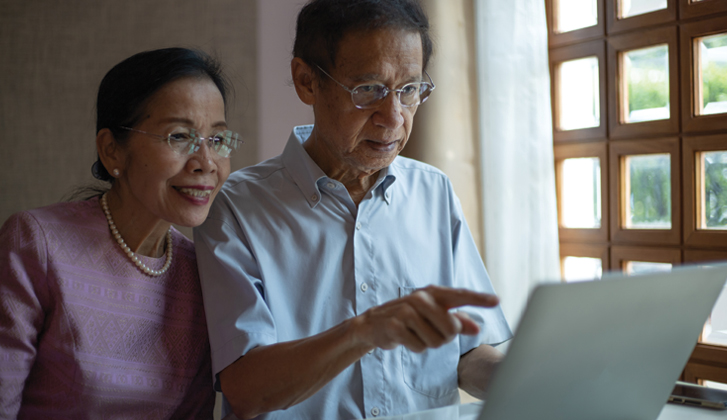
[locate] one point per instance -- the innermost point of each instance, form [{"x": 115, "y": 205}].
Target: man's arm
[
  {"x": 475, "y": 370},
  {"x": 281, "y": 375}
]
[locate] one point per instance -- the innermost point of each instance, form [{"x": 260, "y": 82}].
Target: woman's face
[{"x": 157, "y": 182}]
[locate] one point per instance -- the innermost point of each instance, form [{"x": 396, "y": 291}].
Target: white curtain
[{"x": 516, "y": 148}]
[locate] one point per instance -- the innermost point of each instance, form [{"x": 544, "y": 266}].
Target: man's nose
[{"x": 390, "y": 113}]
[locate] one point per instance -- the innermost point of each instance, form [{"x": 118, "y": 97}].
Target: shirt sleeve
[
  {"x": 238, "y": 318},
  {"x": 470, "y": 273},
  {"x": 23, "y": 297}
]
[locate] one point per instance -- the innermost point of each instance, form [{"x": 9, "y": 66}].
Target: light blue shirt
[{"x": 286, "y": 254}]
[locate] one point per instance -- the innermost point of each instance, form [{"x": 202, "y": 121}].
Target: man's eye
[
  {"x": 410, "y": 89},
  {"x": 369, "y": 88}
]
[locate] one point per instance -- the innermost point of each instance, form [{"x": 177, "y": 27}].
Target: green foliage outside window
[
  {"x": 715, "y": 189},
  {"x": 714, "y": 73},
  {"x": 714, "y": 88},
  {"x": 650, "y": 190},
  {"x": 648, "y": 79},
  {"x": 647, "y": 95}
]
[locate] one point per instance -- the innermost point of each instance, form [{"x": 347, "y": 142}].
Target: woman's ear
[
  {"x": 303, "y": 79},
  {"x": 110, "y": 153}
]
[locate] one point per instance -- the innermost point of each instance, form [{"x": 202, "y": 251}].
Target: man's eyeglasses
[
  {"x": 371, "y": 96},
  {"x": 223, "y": 143}
]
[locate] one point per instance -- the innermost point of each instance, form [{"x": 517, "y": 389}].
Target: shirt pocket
[{"x": 434, "y": 371}]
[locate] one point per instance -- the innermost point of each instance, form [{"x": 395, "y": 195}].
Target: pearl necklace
[{"x": 143, "y": 267}]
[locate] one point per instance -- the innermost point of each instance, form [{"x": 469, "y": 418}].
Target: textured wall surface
[{"x": 54, "y": 55}]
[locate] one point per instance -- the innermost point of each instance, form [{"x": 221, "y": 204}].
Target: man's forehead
[{"x": 368, "y": 54}]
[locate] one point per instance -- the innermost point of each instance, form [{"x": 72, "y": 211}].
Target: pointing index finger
[{"x": 453, "y": 298}]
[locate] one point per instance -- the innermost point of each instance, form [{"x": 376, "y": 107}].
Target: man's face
[{"x": 363, "y": 141}]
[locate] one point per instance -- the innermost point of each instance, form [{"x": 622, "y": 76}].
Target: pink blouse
[{"x": 85, "y": 334}]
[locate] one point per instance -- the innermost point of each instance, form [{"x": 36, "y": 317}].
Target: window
[{"x": 640, "y": 140}]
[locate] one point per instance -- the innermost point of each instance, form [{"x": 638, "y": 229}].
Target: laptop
[{"x": 608, "y": 349}]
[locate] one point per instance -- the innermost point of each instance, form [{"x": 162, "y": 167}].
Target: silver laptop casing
[{"x": 609, "y": 349}]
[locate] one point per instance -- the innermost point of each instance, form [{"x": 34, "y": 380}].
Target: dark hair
[
  {"x": 322, "y": 24},
  {"x": 126, "y": 89}
]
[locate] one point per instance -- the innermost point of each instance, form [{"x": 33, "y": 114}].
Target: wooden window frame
[
  {"x": 562, "y": 38},
  {"x": 620, "y": 235},
  {"x": 615, "y": 25},
  {"x": 622, "y": 254},
  {"x": 583, "y": 150},
  {"x": 692, "y": 256},
  {"x": 689, "y": 9},
  {"x": 590, "y": 49},
  {"x": 587, "y": 251},
  {"x": 708, "y": 361},
  {"x": 688, "y": 33},
  {"x": 617, "y": 45},
  {"x": 675, "y": 26},
  {"x": 690, "y": 147}
]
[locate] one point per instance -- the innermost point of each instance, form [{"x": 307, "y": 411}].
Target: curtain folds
[
  {"x": 516, "y": 149},
  {"x": 488, "y": 127}
]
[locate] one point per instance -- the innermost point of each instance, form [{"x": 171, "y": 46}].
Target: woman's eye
[{"x": 180, "y": 137}]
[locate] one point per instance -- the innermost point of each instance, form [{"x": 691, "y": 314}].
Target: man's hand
[
  {"x": 278, "y": 376},
  {"x": 422, "y": 319}
]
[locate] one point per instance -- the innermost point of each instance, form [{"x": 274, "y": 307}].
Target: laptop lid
[{"x": 608, "y": 349}]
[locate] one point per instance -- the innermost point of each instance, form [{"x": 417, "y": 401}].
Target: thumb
[{"x": 469, "y": 327}]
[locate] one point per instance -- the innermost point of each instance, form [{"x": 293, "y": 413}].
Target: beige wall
[
  {"x": 279, "y": 108},
  {"x": 445, "y": 132},
  {"x": 54, "y": 55}
]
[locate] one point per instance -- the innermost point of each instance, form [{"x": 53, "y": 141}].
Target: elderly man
[{"x": 331, "y": 274}]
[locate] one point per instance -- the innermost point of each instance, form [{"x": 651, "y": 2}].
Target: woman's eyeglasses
[{"x": 223, "y": 143}]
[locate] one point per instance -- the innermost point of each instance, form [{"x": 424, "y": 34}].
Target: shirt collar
[
  {"x": 307, "y": 174},
  {"x": 302, "y": 168}
]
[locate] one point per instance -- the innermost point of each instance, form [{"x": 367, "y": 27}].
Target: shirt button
[
  {"x": 314, "y": 197},
  {"x": 331, "y": 185},
  {"x": 364, "y": 287},
  {"x": 371, "y": 351},
  {"x": 358, "y": 226},
  {"x": 375, "y": 411}
]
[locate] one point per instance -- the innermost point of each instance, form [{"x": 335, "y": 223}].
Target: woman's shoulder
[{"x": 73, "y": 213}]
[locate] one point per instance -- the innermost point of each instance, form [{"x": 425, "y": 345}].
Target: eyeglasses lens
[
  {"x": 368, "y": 96},
  {"x": 223, "y": 143}
]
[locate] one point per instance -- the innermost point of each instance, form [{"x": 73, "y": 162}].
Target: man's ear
[
  {"x": 110, "y": 153},
  {"x": 303, "y": 79}
]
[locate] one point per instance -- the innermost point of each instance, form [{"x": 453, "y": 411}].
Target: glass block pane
[
  {"x": 578, "y": 94},
  {"x": 629, "y": 8},
  {"x": 712, "y": 69},
  {"x": 648, "y": 189},
  {"x": 646, "y": 74},
  {"x": 581, "y": 269},
  {"x": 581, "y": 193},
  {"x": 713, "y": 190},
  {"x": 643, "y": 267},
  {"x": 715, "y": 330},
  {"x": 575, "y": 14}
]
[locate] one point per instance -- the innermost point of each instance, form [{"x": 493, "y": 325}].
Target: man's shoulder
[{"x": 259, "y": 172}]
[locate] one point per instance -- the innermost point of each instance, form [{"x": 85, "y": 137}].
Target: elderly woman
[{"x": 100, "y": 305}]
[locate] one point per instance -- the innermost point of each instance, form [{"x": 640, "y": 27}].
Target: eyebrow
[
  {"x": 368, "y": 77},
  {"x": 187, "y": 121}
]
